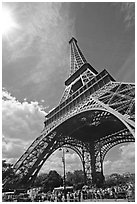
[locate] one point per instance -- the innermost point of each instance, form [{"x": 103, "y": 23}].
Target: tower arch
[
  {"x": 115, "y": 155},
  {"x": 91, "y": 103}
]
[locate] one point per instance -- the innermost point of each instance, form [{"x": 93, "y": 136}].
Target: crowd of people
[
  {"x": 93, "y": 193},
  {"x": 116, "y": 192}
]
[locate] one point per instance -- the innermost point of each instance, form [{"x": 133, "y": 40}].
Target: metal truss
[
  {"x": 121, "y": 98},
  {"x": 94, "y": 114},
  {"x": 85, "y": 77},
  {"x": 77, "y": 61},
  {"x": 77, "y": 58}
]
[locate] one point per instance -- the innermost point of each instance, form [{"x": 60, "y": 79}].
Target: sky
[{"x": 36, "y": 62}]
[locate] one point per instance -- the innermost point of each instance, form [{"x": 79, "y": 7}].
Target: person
[
  {"x": 68, "y": 196},
  {"x": 79, "y": 196},
  {"x": 71, "y": 197},
  {"x": 129, "y": 192},
  {"x": 52, "y": 197},
  {"x": 63, "y": 198},
  {"x": 59, "y": 197}
]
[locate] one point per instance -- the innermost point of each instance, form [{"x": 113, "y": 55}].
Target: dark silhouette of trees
[
  {"x": 40, "y": 179},
  {"x": 117, "y": 179},
  {"x": 7, "y": 170},
  {"x": 53, "y": 179},
  {"x": 99, "y": 179},
  {"x": 75, "y": 179},
  {"x": 9, "y": 175},
  {"x": 48, "y": 181}
]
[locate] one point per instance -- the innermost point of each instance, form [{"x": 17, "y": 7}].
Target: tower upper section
[
  {"x": 82, "y": 77},
  {"x": 77, "y": 59}
]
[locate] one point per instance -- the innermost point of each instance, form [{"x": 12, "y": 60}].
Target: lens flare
[{"x": 8, "y": 22}]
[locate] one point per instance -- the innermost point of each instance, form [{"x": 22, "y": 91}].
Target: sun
[{"x": 8, "y": 22}]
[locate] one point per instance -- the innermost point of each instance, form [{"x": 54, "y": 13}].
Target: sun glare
[{"x": 8, "y": 22}]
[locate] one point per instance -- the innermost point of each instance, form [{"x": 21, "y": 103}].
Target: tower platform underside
[{"x": 95, "y": 113}]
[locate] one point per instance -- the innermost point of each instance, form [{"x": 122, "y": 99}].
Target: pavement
[{"x": 107, "y": 200}]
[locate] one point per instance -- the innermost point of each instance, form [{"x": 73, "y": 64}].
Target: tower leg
[
  {"x": 84, "y": 170},
  {"x": 101, "y": 177},
  {"x": 93, "y": 162}
]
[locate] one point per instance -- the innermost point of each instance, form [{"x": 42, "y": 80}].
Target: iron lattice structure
[{"x": 95, "y": 113}]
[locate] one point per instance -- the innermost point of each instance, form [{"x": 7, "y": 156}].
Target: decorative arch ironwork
[{"x": 92, "y": 103}]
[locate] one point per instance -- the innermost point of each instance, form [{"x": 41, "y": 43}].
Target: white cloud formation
[
  {"x": 128, "y": 8},
  {"x": 128, "y": 11},
  {"x": 54, "y": 162},
  {"x": 45, "y": 29},
  {"x": 127, "y": 71},
  {"x": 21, "y": 124},
  {"x": 125, "y": 163},
  {"x": 128, "y": 152}
]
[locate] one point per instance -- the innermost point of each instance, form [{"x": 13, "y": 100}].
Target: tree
[
  {"x": 7, "y": 170},
  {"x": 76, "y": 178},
  {"x": 99, "y": 179},
  {"x": 116, "y": 179},
  {"x": 129, "y": 177},
  {"x": 53, "y": 180},
  {"x": 69, "y": 179},
  {"x": 8, "y": 175},
  {"x": 40, "y": 179}
]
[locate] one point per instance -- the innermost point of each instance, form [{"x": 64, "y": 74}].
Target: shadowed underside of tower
[{"x": 95, "y": 113}]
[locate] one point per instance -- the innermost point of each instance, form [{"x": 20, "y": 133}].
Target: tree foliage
[
  {"x": 49, "y": 181},
  {"x": 40, "y": 179},
  {"x": 76, "y": 178},
  {"x": 8, "y": 175},
  {"x": 7, "y": 170},
  {"x": 99, "y": 179},
  {"x": 53, "y": 179},
  {"x": 116, "y": 179}
]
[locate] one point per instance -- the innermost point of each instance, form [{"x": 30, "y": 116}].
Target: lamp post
[
  {"x": 84, "y": 170},
  {"x": 64, "y": 169}
]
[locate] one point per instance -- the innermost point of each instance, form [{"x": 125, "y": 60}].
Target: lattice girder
[
  {"x": 84, "y": 78},
  {"x": 112, "y": 140},
  {"x": 95, "y": 110},
  {"x": 67, "y": 113},
  {"x": 77, "y": 58},
  {"x": 84, "y": 103},
  {"x": 121, "y": 98},
  {"x": 72, "y": 128}
]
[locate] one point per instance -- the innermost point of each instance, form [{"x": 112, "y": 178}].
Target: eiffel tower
[{"x": 95, "y": 114}]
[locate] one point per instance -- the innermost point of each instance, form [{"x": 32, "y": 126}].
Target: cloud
[
  {"x": 127, "y": 72},
  {"x": 21, "y": 124},
  {"x": 45, "y": 29},
  {"x": 54, "y": 162},
  {"x": 128, "y": 8},
  {"x": 126, "y": 162},
  {"x": 128, "y": 152},
  {"x": 128, "y": 11}
]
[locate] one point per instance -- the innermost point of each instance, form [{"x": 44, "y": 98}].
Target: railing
[{"x": 94, "y": 85}]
